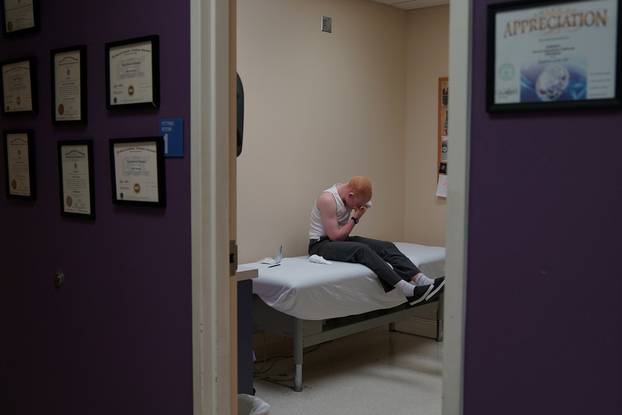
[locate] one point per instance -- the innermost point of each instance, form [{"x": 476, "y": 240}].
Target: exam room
[{"x": 319, "y": 108}]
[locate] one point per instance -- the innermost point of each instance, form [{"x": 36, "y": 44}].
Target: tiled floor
[{"x": 371, "y": 373}]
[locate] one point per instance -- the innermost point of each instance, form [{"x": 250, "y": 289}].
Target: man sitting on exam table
[{"x": 335, "y": 214}]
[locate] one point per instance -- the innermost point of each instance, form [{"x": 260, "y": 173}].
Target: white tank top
[{"x": 316, "y": 230}]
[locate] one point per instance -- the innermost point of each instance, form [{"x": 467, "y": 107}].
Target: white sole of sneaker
[
  {"x": 435, "y": 291},
  {"x": 423, "y": 297}
]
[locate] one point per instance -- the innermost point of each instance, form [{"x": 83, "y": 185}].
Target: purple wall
[
  {"x": 117, "y": 337},
  {"x": 544, "y": 307}
]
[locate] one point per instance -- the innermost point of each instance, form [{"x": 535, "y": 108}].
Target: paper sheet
[{"x": 441, "y": 188}]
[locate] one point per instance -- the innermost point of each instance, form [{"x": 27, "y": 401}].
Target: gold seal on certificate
[
  {"x": 132, "y": 72},
  {"x": 19, "y": 161},
  {"x": 17, "y": 86},
  {"x": 75, "y": 168},
  {"x": 69, "y": 85},
  {"x": 138, "y": 171},
  {"x": 20, "y": 16}
]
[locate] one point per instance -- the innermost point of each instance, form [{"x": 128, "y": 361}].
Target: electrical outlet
[{"x": 327, "y": 24}]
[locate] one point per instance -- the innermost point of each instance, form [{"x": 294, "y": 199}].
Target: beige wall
[
  {"x": 319, "y": 108},
  {"x": 323, "y": 107},
  {"x": 428, "y": 53}
]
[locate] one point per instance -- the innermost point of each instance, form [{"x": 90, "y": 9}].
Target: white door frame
[
  {"x": 209, "y": 170},
  {"x": 457, "y": 212},
  {"x": 209, "y": 33}
]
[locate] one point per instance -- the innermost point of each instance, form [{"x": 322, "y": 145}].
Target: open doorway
[
  {"x": 362, "y": 91},
  {"x": 211, "y": 69}
]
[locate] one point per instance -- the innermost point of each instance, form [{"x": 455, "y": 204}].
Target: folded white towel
[{"x": 316, "y": 259}]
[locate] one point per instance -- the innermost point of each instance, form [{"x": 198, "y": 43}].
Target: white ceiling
[{"x": 413, "y": 4}]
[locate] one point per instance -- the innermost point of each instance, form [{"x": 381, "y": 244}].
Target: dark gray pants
[{"x": 372, "y": 253}]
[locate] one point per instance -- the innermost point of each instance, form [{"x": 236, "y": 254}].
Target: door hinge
[{"x": 233, "y": 257}]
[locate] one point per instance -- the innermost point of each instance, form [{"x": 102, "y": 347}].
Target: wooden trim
[
  {"x": 233, "y": 290},
  {"x": 232, "y": 119},
  {"x": 244, "y": 273}
]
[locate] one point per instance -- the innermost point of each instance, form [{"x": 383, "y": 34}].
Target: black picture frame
[
  {"x": 33, "y": 87},
  {"x": 32, "y": 170},
  {"x": 61, "y": 185},
  {"x": 493, "y": 107},
  {"x": 7, "y": 30},
  {"x": 160, "y": 166},
  {"x": 154, "y": 104},
  {"x": 81, "y": 49}
]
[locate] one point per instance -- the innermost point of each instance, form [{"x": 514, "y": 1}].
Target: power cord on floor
[{"x": 273, "y": 360}]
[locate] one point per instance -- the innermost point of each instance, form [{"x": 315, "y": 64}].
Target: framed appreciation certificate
[
  {"x": 18, "y": 86},
  {"x": 553, "y": 54},
  {"x": 137, "y": 166},
  {"x": 20, "y": 16},
  {"x": 19, "y": 161},
  {"x": 75, "y": 174},
  {"x": 69, "y": 85},
  {"x": 133, "y": 73}
]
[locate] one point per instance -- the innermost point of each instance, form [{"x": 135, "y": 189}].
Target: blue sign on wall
[{"x": 172, "y": 129}]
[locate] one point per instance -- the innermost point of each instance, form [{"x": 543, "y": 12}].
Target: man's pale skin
[{"x": 328, "y": 213}]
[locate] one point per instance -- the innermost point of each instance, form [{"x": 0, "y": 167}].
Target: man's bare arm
[{"x": 328, "y": 213}]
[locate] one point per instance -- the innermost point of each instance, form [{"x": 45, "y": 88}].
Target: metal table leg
[
  {"x": 298, "y": 354},
  {"x": 440, "y": 318}
]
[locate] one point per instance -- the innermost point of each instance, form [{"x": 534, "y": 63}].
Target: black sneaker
[
  {"x": 437, "y": 288},
  {"x": 420, "y": 294}
]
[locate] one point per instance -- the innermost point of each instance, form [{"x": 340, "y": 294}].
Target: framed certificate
[
  {"x": 18, "y": 87},
  {"x": 553, "y": 54},
  {"x": 19, "y": 16},
  {"x": 68, "y": 76},
  {"x": 133, "y": 73},
  {"x": 75, "y": 176},
  {"x": 19, "y": 162},
  {"x": 137, "y": 166}
]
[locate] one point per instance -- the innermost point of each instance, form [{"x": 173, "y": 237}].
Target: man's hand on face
[{"x": 358, "y": 212}]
